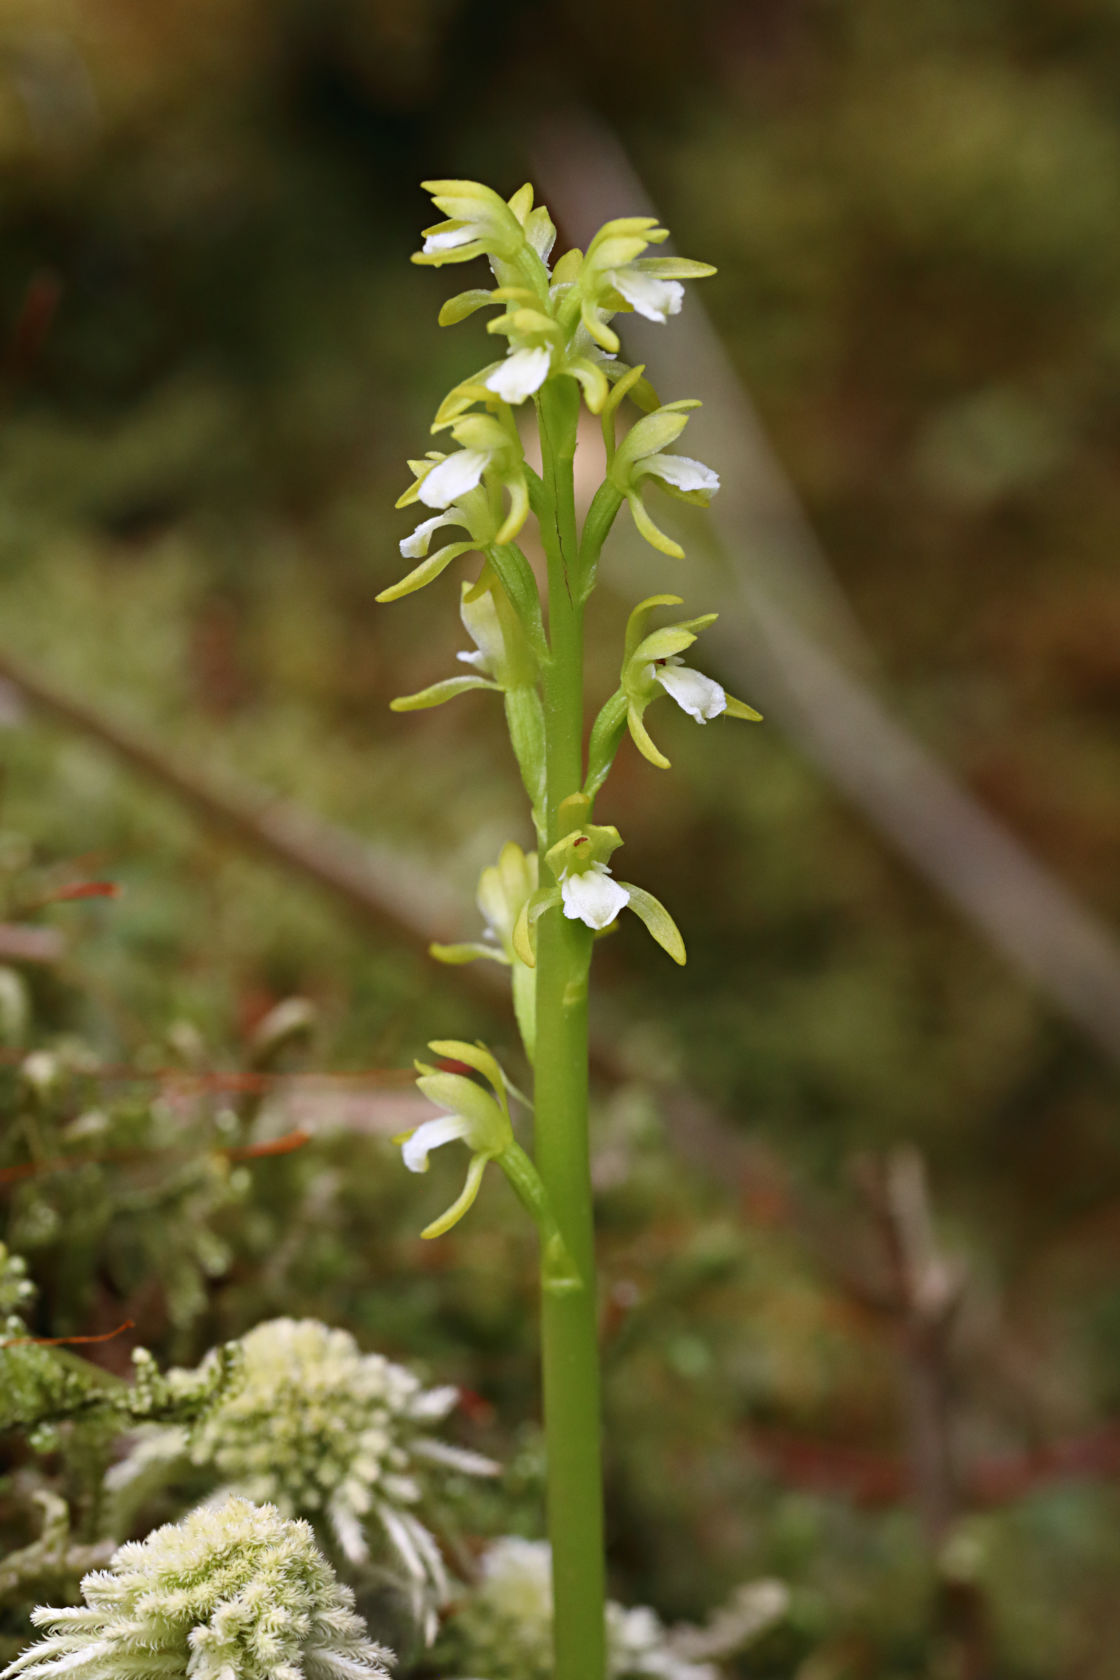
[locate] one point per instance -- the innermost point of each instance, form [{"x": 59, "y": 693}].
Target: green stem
[{"x": 570, "y": 1355}]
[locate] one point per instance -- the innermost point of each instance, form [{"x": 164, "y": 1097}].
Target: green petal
[
  {"x": 642, "y": 741},
  {"x": 460, "y": 253},
  {"x": 654, "y": 432},
  {"x": 518, "y": 511},
  {"x": 457, "y": 1094},
  {"x": 599, "y": 330},
  {"x": 458, "y": 400},
  {"x": 458, "y": 308},
  {"x": 456, "y": 955},
  {"x": 663, "y": 644},
  {"x": 675, "y": 268},
  {"x": 616, "y": 250},
  {"x": 524, "y": 934},
  {"x": 438, "y": 693},
  {"x": 426, "y": 572},
  {"x": 463, "y": 1202},
  {"x": 636, "y": 623},
  {"x": 657, "y": 919},
  {"x": 522, "y": 202},
  {"x": 568, "y": 267},
  {"x": 653, "y": 535},
  {"x": 740, "y": 709},
  {"x": 593, "y": 381},
  {"x": 474, "y": 1055}
]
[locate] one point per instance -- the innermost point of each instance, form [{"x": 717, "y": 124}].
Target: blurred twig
[
  {"x": 30, "y": 944},
  {"x": 380, "y": 888},
  {"x": 923, "y": 1294}
]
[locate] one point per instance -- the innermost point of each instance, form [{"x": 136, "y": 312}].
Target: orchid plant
[{"x": 543, "y": 910}]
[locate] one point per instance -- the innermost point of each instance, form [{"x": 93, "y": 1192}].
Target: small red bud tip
[
  {"x": 447, "y": 1064},
  {"x": 475, "y": 1407},
  {"x": 83, "y": 889}
]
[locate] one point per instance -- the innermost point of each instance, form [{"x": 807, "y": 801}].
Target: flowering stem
[{"x": 569, "y": 1332}]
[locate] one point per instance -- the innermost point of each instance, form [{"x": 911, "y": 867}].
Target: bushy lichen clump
[
  {"x": 504, "y": 1630},
  {"x": 326, "y": 1432},
  {"x": 236, "y": 1592}
]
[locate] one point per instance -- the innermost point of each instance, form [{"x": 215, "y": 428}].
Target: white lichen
[
  {"x": 339, "y": 1437},
  {"x": 236, "y": 1592},
  {"x": 504, "y": 1630}
]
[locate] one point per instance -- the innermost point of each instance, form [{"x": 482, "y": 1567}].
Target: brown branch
[
  {"x": 924, "y": 1292},
  {"x": 378, "y": 888}
]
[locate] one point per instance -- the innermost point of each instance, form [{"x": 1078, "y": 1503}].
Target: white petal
[
  {"x": 415, "y": 547},
  {"x": 593, "y": 897},
  {"x": 696, "y": 694},
  {"x": 429, "y": 1136},
  {"x": 522, "y": 373},
  {"x": 449, "y": 241},
  {"x": 453, "y": 477},
  {"x": 655, "y": 299},
  {"x": 682, "y": 472},
  {"x": 434, "y": 1403},
  {"x": 481, "y": 622}
]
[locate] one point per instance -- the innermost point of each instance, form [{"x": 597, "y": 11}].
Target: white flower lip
[
  {"x": 592, "y": 896},
  {"x": 450, "y": 240},
  {"x": 453, "y": 477},
  {"x": 700, "y": 696},
  {"x": 522, "y": 373},
  {"x": 431, "y": 1135},
  {"x": 682, "y": 472},
  {"x": 655, "y": 299},
  {"x": 415, "y": 547}
]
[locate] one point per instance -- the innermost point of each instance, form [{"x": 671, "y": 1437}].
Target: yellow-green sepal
[
  {"x": 643, "y": 741},
  {"x": 525, "y": 928},
  {"x": 653, "y": 534},
  {"x": 426, "y": 572},
  {"x": 658, "y": 921},
  {"x": 740, "y": 709},
  {"x": 464, "y": 304},
  {"x": 437, "y": 694},
  {"x": 463, "y": 1202},
  {"x": 467, "y": 952}
]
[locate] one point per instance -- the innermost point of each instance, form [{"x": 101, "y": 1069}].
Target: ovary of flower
[
  {"x": 700, "y": 696},
  {"x": 592, "y": 896},
  {"x": 453, "y": 477},
  {"x": 522, "y": 373},
  {"x": 655, "y": 299},
  {"x": 682, "y": 472}
]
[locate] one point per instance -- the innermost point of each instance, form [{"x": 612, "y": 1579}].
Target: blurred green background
[{"x": 216, "y": 357}]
